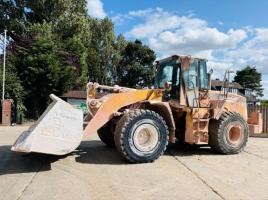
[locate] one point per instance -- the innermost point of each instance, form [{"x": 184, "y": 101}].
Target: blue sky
[
  {"x": 232, "y": 13},
  {"x": 231, "y": 34}
]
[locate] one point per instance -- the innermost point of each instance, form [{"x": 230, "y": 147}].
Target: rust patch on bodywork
[
  {"x": 233, "y": 103},
  {"x": 185, "y": 62},
  {"x": 103, "y": 109},
  {"x": 164, "y": 110}
]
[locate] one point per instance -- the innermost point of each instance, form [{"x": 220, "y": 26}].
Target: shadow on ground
[
  {"x": 89, "y": 152},
  {"x": 189, "y": 150},
  {"x": 15, "y": 163},
  {"x": 95, "y": 152}
]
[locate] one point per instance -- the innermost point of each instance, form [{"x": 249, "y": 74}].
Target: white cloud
[
  {"x": 119, "y": 19},
  {"x": 252, "y": 52},
  {"x": 95, "y": 9},
  {"x": 158, "y": 20},
  {"x": 265, "y": 91},
  {"x": 219, "y": 68},
  {"x": 168, "y": 33},
  {"x": 195, "y": 40},
  {"x": 140, "y": 13}
]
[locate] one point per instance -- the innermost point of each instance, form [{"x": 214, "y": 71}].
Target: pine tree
[{"x": 250, "y": 78}]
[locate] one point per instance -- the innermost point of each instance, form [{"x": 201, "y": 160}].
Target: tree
[
  {"x": 48, "y": 10},
  {"x": 13, "y": 85},
  {"x": 12, "y": 18},
  {"x": 250, "y": 78},
  {"x": 73, "y": 34},
  {"x": 102, "y": 51},
  {"x": 56, "y": 46},
  {"x": 119, "y": 48},
  {"x": 42, "y": 68},
  {"x": 135, "y": 68},
  {"x": 48, "y": 54},
  {"x": 264, "y": 102}
]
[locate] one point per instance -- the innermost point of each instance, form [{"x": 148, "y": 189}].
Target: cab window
[
  {"x": 190, "y": 76},
  {"x": 203, "y": 79}
]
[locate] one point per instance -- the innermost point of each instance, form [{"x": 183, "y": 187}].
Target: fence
[{"x": 264, "y": 111}]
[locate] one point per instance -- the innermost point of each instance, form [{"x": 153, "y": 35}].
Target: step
[{"x": 202, "y": 119}]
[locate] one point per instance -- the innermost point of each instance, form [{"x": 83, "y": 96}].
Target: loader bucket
[{"x": 58, "y": 131}]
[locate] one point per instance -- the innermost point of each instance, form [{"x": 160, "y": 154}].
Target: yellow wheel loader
[{"x": 141, "y": 122}]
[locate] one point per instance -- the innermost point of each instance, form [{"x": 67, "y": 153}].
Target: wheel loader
[{"x": 181, "y": 108}]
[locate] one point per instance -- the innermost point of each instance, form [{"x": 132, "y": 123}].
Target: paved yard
[{"x": 97, "y": 172}]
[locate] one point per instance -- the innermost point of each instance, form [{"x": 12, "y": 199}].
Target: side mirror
[{"x": 210, "y": 71}]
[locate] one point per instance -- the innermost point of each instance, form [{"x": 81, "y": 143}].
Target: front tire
[
  {"x": 141, "y": 136},
  {"x": 229, "y": 134},
  {"x": 106, "y": 135}
]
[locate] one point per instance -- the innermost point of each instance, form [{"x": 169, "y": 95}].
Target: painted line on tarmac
[
  {"x": 196, "y": 174},
  {"x": 256, "y": 155},
  {"x": 31, "y": 181}
]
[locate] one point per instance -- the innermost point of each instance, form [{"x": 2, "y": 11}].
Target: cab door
[
  {"x": 168, "y": 77},
  {"x": 190, "y": 77}
]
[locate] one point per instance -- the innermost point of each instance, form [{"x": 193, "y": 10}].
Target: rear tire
[
  {"x": 229, "y": 134},
  {"x": 141, "y": 136},
  {"x": 106, "y": 135}
]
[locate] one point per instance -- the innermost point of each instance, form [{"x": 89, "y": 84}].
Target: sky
[{"x": 230, "y": 34}]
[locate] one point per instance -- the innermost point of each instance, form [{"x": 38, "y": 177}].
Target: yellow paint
[
  {"x": 240, "y": 108},
  {"x": 116, "y": 101},
  {"x": 189, "y": 137}
]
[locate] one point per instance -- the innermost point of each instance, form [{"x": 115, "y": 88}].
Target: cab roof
[{"x": 177, "y": 57}]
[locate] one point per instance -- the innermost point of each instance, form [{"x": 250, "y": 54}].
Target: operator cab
[
  {"x": 181, "y": 74},
  {"x": 168, "y": 77}
]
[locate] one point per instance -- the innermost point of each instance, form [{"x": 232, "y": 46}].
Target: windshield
[{"x": 167, "y": 72}]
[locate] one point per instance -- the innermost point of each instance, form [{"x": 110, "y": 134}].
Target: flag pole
[{"x": 4, "y": 66}]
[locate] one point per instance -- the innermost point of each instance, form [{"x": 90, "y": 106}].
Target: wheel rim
[
  {"x": 146, "y": 137},
  {"x": 235, "y": 134}
]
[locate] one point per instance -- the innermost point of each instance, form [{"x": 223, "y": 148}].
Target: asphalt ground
[{"x": 95, "y": 171}]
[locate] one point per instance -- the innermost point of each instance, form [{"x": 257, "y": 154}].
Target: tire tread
[
  {"x": 121, "y": 128},
  {"x": 216, "y": 128}
]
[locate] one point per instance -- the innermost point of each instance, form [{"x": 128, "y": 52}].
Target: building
[
  {"x": 236, "y": 88},
  {"x": 76, "y": 98}
]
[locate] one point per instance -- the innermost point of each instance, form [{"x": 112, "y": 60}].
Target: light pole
[{"x": 4, "y": 65}]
